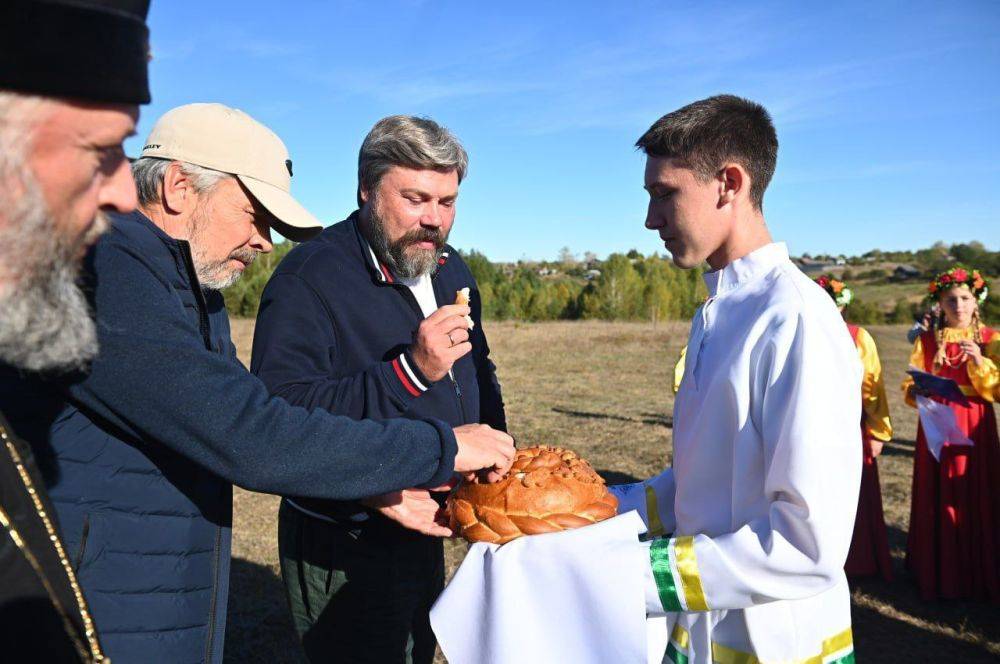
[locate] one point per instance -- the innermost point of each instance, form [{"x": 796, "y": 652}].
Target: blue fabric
[
  {"x": 141, "y": 453},
  {"x": 331, "y": 324}
]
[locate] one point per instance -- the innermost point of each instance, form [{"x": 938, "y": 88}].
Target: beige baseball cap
[{"x": 228, "y": 140}]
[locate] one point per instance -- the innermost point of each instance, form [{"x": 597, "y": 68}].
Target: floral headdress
[
  {"x": 960, "y": 276},
  {"x": 838, "y": 290}
]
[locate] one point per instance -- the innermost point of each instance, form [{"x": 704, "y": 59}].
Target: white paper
[
  {"x": 573, "y": 596},
  {"x": 940, "y": 426}
]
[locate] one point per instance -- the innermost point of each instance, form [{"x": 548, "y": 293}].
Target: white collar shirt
[{"x": 766, "y": 470}]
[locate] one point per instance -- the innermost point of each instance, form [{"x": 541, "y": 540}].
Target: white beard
[
  {"x": 212, "y": 274},
  {"x": 45, "y": 321}
]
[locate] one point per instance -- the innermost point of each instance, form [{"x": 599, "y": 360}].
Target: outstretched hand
[{"x": 415, "y": 509}]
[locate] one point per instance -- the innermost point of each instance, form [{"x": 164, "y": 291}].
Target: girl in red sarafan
[
  {"x": 954, "y": 536},
  {"x": 869, "y": 552}
]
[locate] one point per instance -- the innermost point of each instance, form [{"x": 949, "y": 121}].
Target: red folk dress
[
  {"x": 869, "y": 554},
  {"x": 952, "y": 548}
]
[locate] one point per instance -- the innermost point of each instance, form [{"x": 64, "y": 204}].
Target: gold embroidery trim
[
  {"x": 687, "y": 568},
  {"x": 680, "y": 636},
  {"x": 725, "y": 655},
  {"x": 5, "y": 521},
  {"x": 88, "y": 623},
  {"x": 656, "y": 528}
]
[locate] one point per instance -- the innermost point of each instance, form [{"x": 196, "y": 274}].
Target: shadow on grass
[
  {"x": 877, "y": 633},
  {"x": 259, "y": 628},
  {"x": 615, "y": 477},
  {"x": 899, "y": 448},
  {"x": 882, "y": 638},
  {"x": 648, "y": 418}
]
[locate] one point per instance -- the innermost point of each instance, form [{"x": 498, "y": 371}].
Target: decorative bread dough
[{"x": 548, "y": 489}]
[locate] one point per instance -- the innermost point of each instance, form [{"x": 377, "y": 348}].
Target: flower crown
[
  {"x": 838, "y": 290},
  {"x": 960, "y": 276}
]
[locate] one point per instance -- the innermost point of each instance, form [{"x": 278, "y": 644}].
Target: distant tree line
[
  {"x": 636, "y": 287},
  {"x": 928, "y": 262},
  {"x": 623, "y": 287},
  {"x": 937, "y": 258}
]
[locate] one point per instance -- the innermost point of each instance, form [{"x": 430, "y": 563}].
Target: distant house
[
  {"x": 904, "y": 272},
  {"x": 812, "y": 265}
]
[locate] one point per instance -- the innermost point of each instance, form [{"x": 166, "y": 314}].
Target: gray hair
[
  {"x": 410, "y": 142},
  {"x": 46, "y": 323},
  {"x": 149, "y": 172}
]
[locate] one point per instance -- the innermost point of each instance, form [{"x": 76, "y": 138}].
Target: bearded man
[
  {"x": 67, "y": 101},
  {"x": 362, "y": 321},
  {"x": 147, "y": 444}
]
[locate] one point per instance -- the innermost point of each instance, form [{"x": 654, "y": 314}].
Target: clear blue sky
[{"x": 888, "y": 113}]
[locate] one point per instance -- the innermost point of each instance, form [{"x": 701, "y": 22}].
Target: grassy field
[{"x": 603, "y": 390}]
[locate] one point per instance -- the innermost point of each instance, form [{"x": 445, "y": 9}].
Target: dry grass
[{"x": 603, "y": 389}]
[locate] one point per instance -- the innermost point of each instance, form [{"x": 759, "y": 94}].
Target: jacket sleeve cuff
[
  {"x": 405, "y": 378},
  {"x": 449, "y": 448}
]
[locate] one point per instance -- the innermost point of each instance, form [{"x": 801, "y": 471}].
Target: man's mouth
[{"x": 244, "y": 258}]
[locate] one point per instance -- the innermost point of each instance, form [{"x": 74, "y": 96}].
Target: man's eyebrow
[{"x": 110, "y": 140}]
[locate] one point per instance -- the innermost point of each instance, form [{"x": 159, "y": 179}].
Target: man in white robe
[{"x": 752, "y": 524}]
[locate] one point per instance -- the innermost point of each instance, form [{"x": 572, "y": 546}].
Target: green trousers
[{"x": 360, "y": 592}]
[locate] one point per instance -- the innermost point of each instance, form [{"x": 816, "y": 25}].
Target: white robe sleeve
[{"x": 805, "y": 405}]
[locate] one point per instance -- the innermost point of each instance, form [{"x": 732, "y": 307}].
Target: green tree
[
  {"x": 616, "y": 294},
  {"x": 860, "y": 312},
  {"x": 243, "y": 297}
]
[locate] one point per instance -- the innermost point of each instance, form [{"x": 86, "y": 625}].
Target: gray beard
[
  {"x": 393, "y": 254},
  {"x": 45, "y": 321},
  {"x": 214, "y": 275}
]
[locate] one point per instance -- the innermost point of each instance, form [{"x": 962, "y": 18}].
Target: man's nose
[
  {"x": 261, "y": 239},
  {"x": 433, "y": 215},
  {"x": 117, "y": 191},
  {"x": 653, "y": 221}
]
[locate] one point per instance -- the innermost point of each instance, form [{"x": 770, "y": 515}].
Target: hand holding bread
[
  {"x": 443, "y": 337},
  {"x": 481, "y": 447}
]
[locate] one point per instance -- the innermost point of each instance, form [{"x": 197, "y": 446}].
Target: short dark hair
[{"x": 706, "y": 134}]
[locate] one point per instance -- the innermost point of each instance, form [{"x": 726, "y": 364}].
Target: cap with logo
[
  {"x": 95, "y": 50},
  {"x": 228, "y": 140}
]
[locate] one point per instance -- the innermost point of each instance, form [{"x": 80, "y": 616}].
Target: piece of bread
[
  {"x": 548, "y": 489},
  {"x": 462, "y": 297}
]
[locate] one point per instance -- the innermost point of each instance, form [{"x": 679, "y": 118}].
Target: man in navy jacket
[
  {"x": 141, "y": 452},
  {"x": 362, "y": 321}
]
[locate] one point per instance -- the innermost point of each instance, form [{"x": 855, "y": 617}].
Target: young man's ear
[{"x": 732, "y": 179}]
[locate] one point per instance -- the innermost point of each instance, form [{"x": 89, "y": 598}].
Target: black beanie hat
[{"x": 95, "y": 50}]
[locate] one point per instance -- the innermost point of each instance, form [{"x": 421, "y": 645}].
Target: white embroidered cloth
[{"x": 573, "y": 596}]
